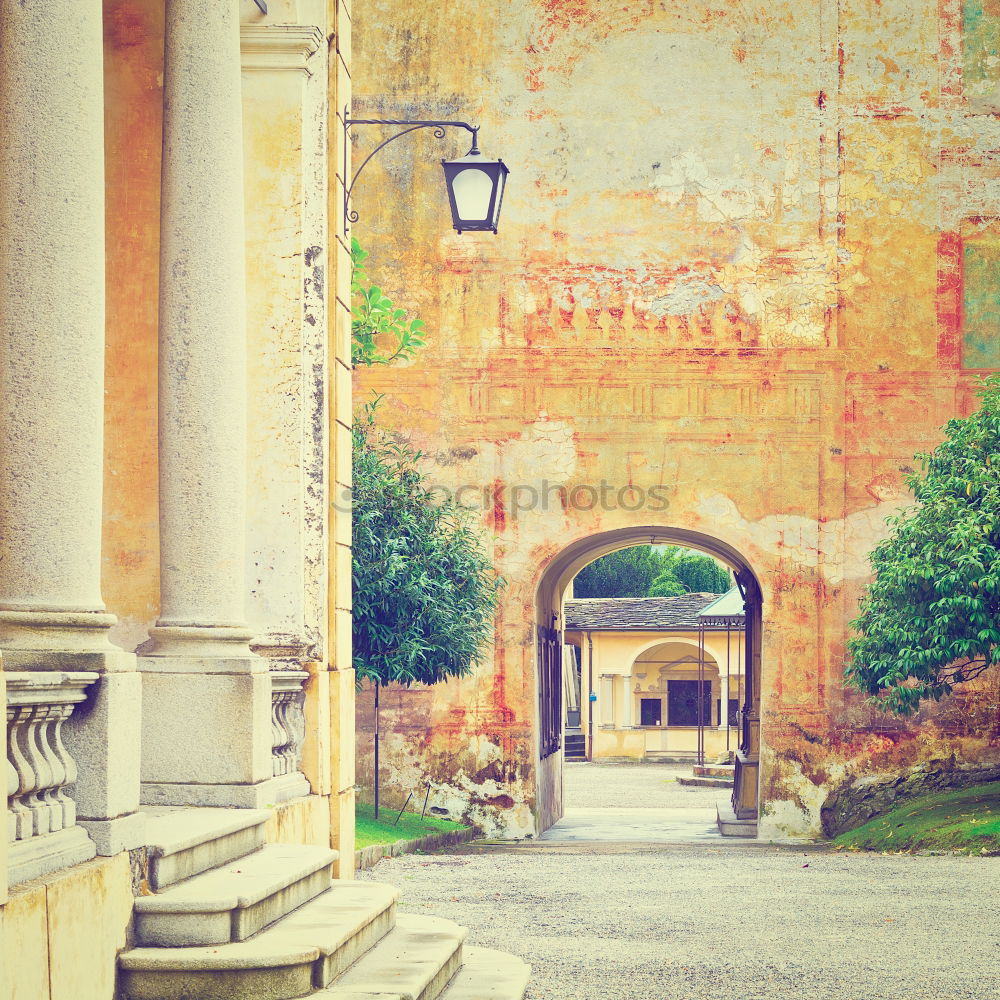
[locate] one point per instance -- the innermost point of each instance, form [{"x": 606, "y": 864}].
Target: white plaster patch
[
  {"x": 844, "y": 544},
  {"x": 721, "y": 197},
  {"x": 782, "y": 820},
  {"x": 460, "y": 796},
  {"x": 689, "y": 294}
]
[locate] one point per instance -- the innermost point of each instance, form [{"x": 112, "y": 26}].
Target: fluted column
[
  {"x": 51, "y": 326},
  {"x": 207, "y": 720}
]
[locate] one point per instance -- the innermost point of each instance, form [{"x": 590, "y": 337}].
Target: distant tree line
[{"x": 652, "y": 571}]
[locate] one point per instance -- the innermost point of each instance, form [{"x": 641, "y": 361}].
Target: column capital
[{"x": 277, "y": 47}]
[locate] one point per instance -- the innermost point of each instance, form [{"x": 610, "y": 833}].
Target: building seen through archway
[{"x": 655, "y": 681}]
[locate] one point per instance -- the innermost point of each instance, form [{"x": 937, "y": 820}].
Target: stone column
[
  {"x": 627, "y": 698},
  {"x": 206, "y": 728},
  {"x": 52, "y": 616},
  {"x": 51, "y": 327}
]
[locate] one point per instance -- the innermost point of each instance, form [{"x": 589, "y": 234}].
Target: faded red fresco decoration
[{"x": 730, "y": 268}]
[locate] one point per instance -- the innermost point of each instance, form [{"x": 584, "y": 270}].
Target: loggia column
[{"x": 206, "y": 725}]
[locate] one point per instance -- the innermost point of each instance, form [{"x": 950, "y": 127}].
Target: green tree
[
  {"x": 931, "y": 617},
  {"x": 699, "y": 573},
  {"x": 667, "y": 585},
  {"x": 425, "y": 592},
  {"x": 380, "y": 332},
  {"x": 626, "y": 573},
  {"x": 651, "y": 571}
]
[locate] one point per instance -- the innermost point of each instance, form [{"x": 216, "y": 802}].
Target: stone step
[
  {"x": 416, "y": 961},
  {"x": 489, "y": 975},
  {"x": 730, "y": 825},
  {"x": 706, "y": 782},
  {"x": 235, "y": 900},
  {"x": 714, "y": 770},
  {"x": 184, "y": 842},
  {"x": 303, "y": 951},
  {"x": 670, "y": 756}
]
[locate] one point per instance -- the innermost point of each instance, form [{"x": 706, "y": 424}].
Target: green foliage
[
  {"x": 376, "y": 321},
  {"x": 425, "y": 592},
  {"x": 626, "y": 573},
  {"x": 698, "y": 573},
  {"x": 966, "y": 820},
  {"x": 931, "y": 617},
  {"x": 651, "y": 571},
  {"x": 666, "y": 585}
]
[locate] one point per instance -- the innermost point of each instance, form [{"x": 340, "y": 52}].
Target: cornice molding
[{"x": 278, "y": 47}]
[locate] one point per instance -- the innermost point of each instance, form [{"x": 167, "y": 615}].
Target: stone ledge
[
  {"x": 37, "y": 856},
  {"x": 856, "y": 802},
  {"x": 269, "y": 792},
  {"x": 368, "y": 857}
]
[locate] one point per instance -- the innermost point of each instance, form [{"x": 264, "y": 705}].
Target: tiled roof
[{"x": 679, "y": 614}]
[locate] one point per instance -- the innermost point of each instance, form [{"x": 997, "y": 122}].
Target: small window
[{"x": 649, "y": 712}]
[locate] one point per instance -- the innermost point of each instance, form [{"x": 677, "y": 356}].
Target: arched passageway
[{"x": 550, "y": 627}]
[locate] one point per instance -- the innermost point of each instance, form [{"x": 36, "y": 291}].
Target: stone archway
[{"x": 550, "y": 591}]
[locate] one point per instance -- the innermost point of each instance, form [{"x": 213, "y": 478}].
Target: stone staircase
[
  {"x": 575, "y": 745},
  {"x": 230, "y": 918}
]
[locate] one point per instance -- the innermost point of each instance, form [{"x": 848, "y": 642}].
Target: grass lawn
[
  {"x": 368, "y": 831},
  {"x": 965, "y": 820}
]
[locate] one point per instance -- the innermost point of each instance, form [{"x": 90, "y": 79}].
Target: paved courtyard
[
  {"x": 714, "y": 919},
  {"x": 634, "y": 802}
]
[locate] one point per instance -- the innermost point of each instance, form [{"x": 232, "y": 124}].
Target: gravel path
[
  {"x": 629, "y": 786},
  {"x": 721, "y": 921}
]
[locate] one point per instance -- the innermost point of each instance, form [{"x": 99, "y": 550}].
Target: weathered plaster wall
[
  {"x": 133, "y": 98},
  {"x": 744, "y": 258}
]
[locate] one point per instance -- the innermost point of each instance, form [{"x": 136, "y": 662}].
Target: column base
[
  {"x": 37, "y": 856},
  {"x": 58, "y": 640},
  {"x": 102, "y": 735},
  {"x": 206, "y": 730},
  {"x": 256, "y": 796},
  {"x": 229, "y": 640}
]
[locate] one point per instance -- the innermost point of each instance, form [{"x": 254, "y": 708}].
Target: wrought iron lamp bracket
[{"x": 350, "y": 215}]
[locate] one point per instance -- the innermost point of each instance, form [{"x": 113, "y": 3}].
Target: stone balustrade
[
  {"x": 41, "y": 815},
  {"x": 287, "y": 721}
]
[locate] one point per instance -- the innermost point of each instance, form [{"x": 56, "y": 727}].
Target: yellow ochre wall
[{"x": 733, "y": 272}]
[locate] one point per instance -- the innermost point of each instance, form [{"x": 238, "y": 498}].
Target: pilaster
[{"x": 284, "y": 68}]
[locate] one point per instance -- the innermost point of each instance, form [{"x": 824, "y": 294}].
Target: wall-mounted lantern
[
  {"x": 475, "y": 190},
  {"x": 475, "y": 184}
]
